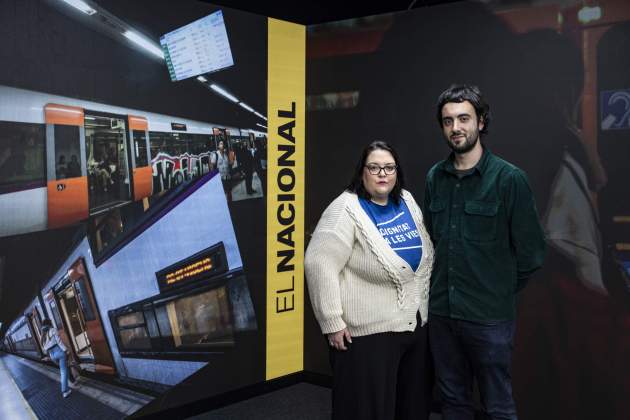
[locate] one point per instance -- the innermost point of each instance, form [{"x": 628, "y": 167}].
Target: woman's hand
[{"x": 336, "y": 340}]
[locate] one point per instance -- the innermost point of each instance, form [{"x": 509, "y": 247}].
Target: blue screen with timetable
[{"x": 197, "y": 48}]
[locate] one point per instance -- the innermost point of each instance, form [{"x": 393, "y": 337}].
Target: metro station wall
[
  {"x": 51, "y": 54},
  {"x": 549, "y": 81}
]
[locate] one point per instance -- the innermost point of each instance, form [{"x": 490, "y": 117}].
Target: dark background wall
[{"x": 572, "y": 324}]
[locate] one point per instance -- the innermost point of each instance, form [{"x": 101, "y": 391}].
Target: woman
[
  {"x": 56, "y": 350},
  {"x": 368, "y": 267},
  {"x": 224, "y": 161}
]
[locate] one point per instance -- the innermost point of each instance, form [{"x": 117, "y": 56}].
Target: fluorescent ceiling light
[
  {"x": 260, "y": 115},
  {"x": 247, "y": 107},
  {"x": 202, "y": 79},
  {"x": 144, "y": 43},
  {"x": 221, "y": 91},
  {"x": 260, "y": 125},
  {"x": 80, "y": 5}
]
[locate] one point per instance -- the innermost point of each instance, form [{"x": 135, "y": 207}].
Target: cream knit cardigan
[{"x": 356, "y": 280}]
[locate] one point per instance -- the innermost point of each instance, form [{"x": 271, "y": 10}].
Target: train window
[
  {"x": 200, "y": 144},
  {"x": 133, "y": 332},
  {"x": 67, "y": 151},
  {"x": 161, "y": 314},
  {"x": 22, "y": 154},
  {"x": 152, "y": 326},
  {"x": 23, "y": 339},
  {"x": 105, "y": 229},
  {"x": 130, "y": 320},
  {"x": 135, "y": 339},
  {"x": 181, "y": 143},
  {"x": 176, "y": 326},
  {"x": 156, "y": 143},
  {"x": 84, "y": 300},
  {"x": 201, "y": 148},
  {"x": 140, "y": 148},
  {"x": 161, "y": 143},
  {"x": 201, "y": 319}
]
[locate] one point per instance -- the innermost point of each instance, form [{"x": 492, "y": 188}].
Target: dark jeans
[
  {"x": 462, "y": 350},
  {"x": 227, "y": 187}
]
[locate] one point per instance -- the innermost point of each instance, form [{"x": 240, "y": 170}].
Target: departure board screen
[{"x": 197, "y": 48}]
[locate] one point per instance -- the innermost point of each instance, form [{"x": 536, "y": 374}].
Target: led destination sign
[
  {"x": 209, "y": 262},
  {"x": 190, "y": 270}
]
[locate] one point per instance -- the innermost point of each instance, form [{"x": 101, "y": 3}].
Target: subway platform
[{"x": 31, "y": 390}]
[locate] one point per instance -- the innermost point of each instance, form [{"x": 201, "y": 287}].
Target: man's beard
[{"x": 470, "y": 141}]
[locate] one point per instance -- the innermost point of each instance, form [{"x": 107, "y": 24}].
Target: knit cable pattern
[{"x": 391, "y": 273}]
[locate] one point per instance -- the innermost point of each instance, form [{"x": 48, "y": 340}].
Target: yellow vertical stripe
[{"x": 285, "y": 198}]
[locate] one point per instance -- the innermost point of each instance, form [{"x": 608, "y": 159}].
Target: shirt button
[
  {"x": 457, "y": 185},
  {"x": 452, "y": 226},
  {"x": 452, "y": 288}
]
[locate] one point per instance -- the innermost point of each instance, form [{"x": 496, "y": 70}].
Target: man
[
  {"x": 247, "y": 161},
  {"x": 259, "y": 156},
  {"x": 481, "y": 215}
]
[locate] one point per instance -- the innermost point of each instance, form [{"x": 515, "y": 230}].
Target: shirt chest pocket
[{"x": 480, "y": 220}]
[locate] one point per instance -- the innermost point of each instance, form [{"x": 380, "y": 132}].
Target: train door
[
  {"x": 107, "y": 157},
  {"x": 140, "y": 157},
  {"x": 75, "y": 321},
  {"x": 66, "y": 170},
  {"x": 80, "y": 315},
  {"x": 36, "y": 322},
  {"x": 35, "y": 334},
  {"x": 59, "y": 324}
]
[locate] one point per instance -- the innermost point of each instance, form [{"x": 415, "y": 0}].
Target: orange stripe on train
[
  {"x": 64, "y": 115},
  {"x": 142, "y": 182}
]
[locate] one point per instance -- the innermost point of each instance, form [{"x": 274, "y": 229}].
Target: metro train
[
  {"x": 172, "y": 295},
  {"x": 64, "y": 159}
]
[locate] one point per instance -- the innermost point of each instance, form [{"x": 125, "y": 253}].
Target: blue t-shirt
[{"x": 396, "y": 226}]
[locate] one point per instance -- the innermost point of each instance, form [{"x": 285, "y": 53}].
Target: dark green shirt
[{"x": 487, "y": 237}]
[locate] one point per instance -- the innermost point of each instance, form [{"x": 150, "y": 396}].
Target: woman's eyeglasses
[{"x": 375, "y": 169}]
